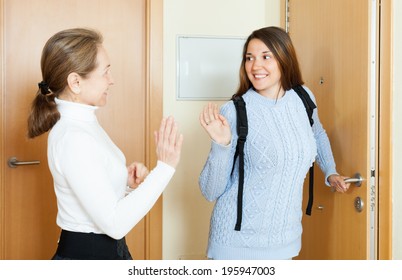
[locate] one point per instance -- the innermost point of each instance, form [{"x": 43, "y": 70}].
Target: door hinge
[{"x": 287, "y": 16}]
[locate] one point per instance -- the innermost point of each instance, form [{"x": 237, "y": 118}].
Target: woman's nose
[{"x": 256, "y": 63}]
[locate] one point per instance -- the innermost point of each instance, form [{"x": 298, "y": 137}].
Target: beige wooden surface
[
  {"x": 28, "y": 206},
  {"x": 332, "y": 41}
]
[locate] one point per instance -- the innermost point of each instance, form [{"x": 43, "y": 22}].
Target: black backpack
[{"x": 242, "y": 131}]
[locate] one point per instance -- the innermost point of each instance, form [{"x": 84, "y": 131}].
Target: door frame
[
  {"x": 153, "y": 115},
  {"x": 2, "y": 132},
  {"x": 384, "y": 129},
  {"x": 384, "y": 176}
]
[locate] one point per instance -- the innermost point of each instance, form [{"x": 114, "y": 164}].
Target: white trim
[
  {"x": 287, "y": 16},
  {"x": 373, "y": 128}
]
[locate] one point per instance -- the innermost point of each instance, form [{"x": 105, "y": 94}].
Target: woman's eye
[
  {"x": 249, "y": 58},
  {"x": 267, "y": 57}
]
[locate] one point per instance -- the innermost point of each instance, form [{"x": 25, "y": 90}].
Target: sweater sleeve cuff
[
  {"x": 333, "y": 172},
  {"x": 220, "y": 152},
  {"x": 216, "y": 147},
  {"x": 220, "y": 145}
]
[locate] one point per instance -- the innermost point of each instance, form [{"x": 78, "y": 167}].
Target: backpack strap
[
  {"x": 242, "y": 131},
  {"x": 310, "y": 106},
  {"x": 308, "y": 103}
]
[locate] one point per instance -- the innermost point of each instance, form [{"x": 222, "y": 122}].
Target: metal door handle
[
  {"x": 357, "y": 179},
  {"x": 13, "y": 162}
]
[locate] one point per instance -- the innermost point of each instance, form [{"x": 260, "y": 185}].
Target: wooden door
[
  {"x": 28, "y": 208},
  {"x": 332, "y": 40}
]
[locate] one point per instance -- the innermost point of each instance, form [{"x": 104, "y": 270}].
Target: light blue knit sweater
[{"x": 280, "y": 148}]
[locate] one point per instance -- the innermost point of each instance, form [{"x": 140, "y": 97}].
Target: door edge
[
  {"x": 385, "y": 133},
  {"x": 2, "y": 133},
  {"x": 154, "y": 113}
]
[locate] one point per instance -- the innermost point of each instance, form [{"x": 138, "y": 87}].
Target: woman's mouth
[{"x": 260, "y": 76}]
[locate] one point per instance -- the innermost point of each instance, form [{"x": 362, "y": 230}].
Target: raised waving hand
[
  {"x": 168, "y": 142},
  {"x": 215, "y": 124}
]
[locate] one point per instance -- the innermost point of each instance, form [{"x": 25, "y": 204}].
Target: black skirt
[{"x": 90, "y": 246}]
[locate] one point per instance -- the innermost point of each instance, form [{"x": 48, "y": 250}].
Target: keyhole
[{"x": 359, "y": 204}]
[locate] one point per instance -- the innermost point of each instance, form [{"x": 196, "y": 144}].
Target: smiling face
[
  {"x": 263, "y": 70},
  {"x": 94, "y": 88}
]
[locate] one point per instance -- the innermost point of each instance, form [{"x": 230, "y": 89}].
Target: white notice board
[{"x": 208, "y": 67}]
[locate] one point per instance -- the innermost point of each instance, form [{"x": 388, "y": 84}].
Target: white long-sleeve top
[{"x": 90, "y": 176}]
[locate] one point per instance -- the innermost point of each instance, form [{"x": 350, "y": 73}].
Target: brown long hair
[
  {"x": 70, "y": 50},
  {"x": 280, "y": 44}
]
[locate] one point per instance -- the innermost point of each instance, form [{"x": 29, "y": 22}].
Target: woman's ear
[{"x": 73, "y": 81}]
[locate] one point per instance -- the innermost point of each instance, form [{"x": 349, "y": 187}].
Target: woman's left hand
[
  {"x": 337, "y": 182},
  {"x": 137, "y": 172}
]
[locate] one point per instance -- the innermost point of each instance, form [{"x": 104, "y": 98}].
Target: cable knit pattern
[{"x": 280, "y": 148}]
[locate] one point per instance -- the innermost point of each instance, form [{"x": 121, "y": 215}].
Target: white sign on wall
[{"x": 208, "y": 67}]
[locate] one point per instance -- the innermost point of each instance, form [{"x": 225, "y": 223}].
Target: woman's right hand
[
  {"x": 168, "y": 142},
  {"x": 137, "y": 172},
  {"x": 215, "y": 125}
]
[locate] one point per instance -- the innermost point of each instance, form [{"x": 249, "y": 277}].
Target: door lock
[{"x": 359, "y": 204}]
